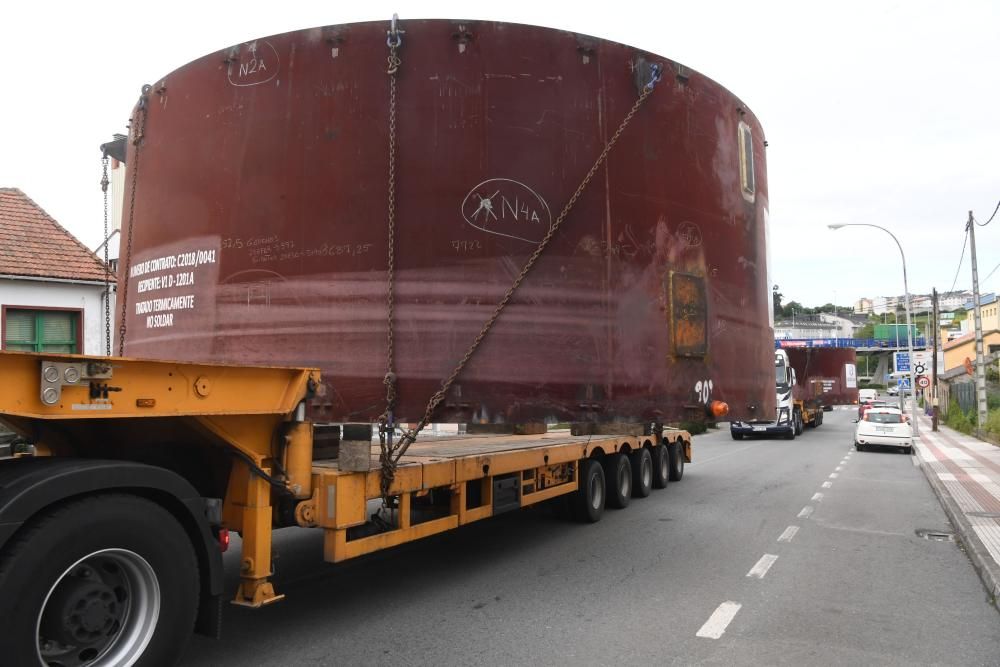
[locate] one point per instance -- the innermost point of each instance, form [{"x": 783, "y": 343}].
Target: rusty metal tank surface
[
  {"x": 825, "y": 375},
  {"x": 260, "y": 233}
]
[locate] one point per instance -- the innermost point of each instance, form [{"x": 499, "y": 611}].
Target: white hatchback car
[{"x": 884, "y": 427}]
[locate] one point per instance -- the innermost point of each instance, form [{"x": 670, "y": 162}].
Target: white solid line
[
  {"x": 720, "y": 619},
  {"x": 763, "y": 565},
  {"x": 834, "y": 475},
  {"x": 788, "y": 534},
  {"x": 817, "y": 497},
  {"x": 827, "y": 485},
  {"x": 806, "y": 512}
]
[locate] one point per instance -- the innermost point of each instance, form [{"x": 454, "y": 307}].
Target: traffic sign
[
  {"x": 902, "y": 362},
  {"x": 923, "y": 382}
]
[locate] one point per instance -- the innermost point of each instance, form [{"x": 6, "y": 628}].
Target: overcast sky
[{"x": 875, "y": 112}]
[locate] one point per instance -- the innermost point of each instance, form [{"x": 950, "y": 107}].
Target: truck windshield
[{"x": 779, "y": 375}]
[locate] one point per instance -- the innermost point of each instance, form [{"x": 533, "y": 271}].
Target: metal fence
[
  {"x": 965, "y": 394},
  {"x": 858, "y": 343}
]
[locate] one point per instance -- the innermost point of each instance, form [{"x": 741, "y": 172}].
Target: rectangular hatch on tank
[{"x": 688, "y": 314}]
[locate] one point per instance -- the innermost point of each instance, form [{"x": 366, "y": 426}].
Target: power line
[
  {"x": 960, "y": 260},
  {"x": 983, "y": 224},
  {"x": 991, "y": 272}
]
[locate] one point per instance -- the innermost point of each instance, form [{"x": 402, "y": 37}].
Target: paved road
[{"x": 694, "y": 574}]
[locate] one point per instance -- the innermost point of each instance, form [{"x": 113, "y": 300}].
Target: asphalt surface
[{"x": 694, "y": 574}]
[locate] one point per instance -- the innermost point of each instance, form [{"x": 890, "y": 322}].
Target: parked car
[{"x": 884, "y": 427}]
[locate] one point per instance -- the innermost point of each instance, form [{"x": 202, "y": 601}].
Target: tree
[{"x": 776, "y": 298}]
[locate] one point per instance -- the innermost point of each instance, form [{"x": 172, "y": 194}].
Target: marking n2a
[{"x": 252, "y": 64}]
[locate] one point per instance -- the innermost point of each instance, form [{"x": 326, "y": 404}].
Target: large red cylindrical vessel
[{"x": 259, "y": 232}]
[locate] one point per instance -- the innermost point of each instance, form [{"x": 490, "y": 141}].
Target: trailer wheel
[
  {"x": 106, "y": 580},
  {"x": 642, "y": 472},
  {"x": 587, "y": 503},
  {"x": 661, "y": 467},
  {"x": 676, "y": 461},
  {"x": 618, "y": 473}
]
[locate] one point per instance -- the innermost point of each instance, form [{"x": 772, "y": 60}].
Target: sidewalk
[{"x": 965, "y": 474}]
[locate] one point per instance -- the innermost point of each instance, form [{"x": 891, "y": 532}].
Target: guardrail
[{"x": 857, "y": 343}]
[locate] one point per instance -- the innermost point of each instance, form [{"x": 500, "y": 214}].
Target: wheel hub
[{"x": 84, "y": 610}]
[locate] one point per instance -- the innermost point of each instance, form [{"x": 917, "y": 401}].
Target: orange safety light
[{"x": 718, "y": 408}]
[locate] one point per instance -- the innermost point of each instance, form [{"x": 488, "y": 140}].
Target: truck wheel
[
  {"x": 109, "y": 580},
  {"x": 618, "y": 473},
  {"x": 661, "y": 467},
  {"x": 642, "y": 472},
  {"x": 735, "y": 435},
  {"x": 676, "y": 461},
  {"x": 587, "y": 502},
  {"x": 798, "y": 423},
  {"x": 791, "y": 433}
]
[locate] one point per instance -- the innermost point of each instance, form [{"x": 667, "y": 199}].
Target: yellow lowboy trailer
[{"x": 111, "y": 533}]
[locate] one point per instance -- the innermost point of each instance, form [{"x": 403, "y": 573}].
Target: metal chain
[
  {"x": 143, "y": 112},
  {"x": 386, "y": 420},
  {"x": 107, "y": 268},
  {"x": 411, "y": 435}
]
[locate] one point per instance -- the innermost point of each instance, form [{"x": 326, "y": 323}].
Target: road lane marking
[
  {"x": 763, "y": 565},
  {"x": 834, "y": 475},
  {"x": 827, "y": 485},
  {"x": 720, "y": 619},
  {"x": 817, "y": 497},
  {"x": 788, "y": 534},
  {"x": 806, "y": 512},
  {"x": 838, "y": 468}
]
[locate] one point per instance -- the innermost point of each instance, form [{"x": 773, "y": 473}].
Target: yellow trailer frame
[{"x": 69, "y": 405}]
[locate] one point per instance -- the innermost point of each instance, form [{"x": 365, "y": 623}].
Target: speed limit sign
[{"x": 923, "y": 382}]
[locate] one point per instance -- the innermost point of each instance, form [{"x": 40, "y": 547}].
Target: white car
[{"x": 884, "y": 427}]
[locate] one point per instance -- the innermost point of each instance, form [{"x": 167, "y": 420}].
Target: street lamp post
[{"x": 909, "y": 329}]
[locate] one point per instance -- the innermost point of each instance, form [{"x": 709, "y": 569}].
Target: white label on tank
[{"x": 851, "y": 376}]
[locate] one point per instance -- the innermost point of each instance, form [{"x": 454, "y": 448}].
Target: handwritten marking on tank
[
  {"x": 506, "y": 207},
  {"x": 690, "y": 234},
  {"x": 703, "y": 389},
  {"x": 746, "y": 263},
  {"x": 466, "y": 246},
  {"x": 252, "y": 64}
]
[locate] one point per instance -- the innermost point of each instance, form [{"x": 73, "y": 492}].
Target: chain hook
[
  {"x": 655, "y": 74},
  {"x": 394, "y": 36}
]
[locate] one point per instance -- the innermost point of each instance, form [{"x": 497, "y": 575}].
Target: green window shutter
[
  {"x": 20, "y": 329},
  {"x": 41, "y": 331}
]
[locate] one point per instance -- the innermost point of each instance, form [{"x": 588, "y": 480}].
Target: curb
[{"x": 982, "y": 562}]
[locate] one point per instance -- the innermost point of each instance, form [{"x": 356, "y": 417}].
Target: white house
[{"x": 52, "y": 288}]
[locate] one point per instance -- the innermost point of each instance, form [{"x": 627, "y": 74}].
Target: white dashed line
[
  {"x": 763, "y": 565},
  {"x": 720, "y": 619},
  {"x": 788, "y": 534},
  {"x": 834, "y": 475},
  {"x": 818, "y": 497},
  {"x": 827, "y": 485},
  {"x": 806, "y": 512},
  {"x": 838, "y": 468}
]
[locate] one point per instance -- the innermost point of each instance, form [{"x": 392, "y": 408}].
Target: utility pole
[
  {"x": 980, "y": 361},
  {"x": 934, "y": 385}
]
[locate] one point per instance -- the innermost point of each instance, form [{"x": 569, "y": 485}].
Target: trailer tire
[
  {"x": 661, "y": 467},
  {"x": 587, "y": 503},
  {"x": 642, "y": 472},
  {"x": 676, "y": 461},
  {"x": 618, "y": 474},
  {"x": 112, "y": 577}
]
